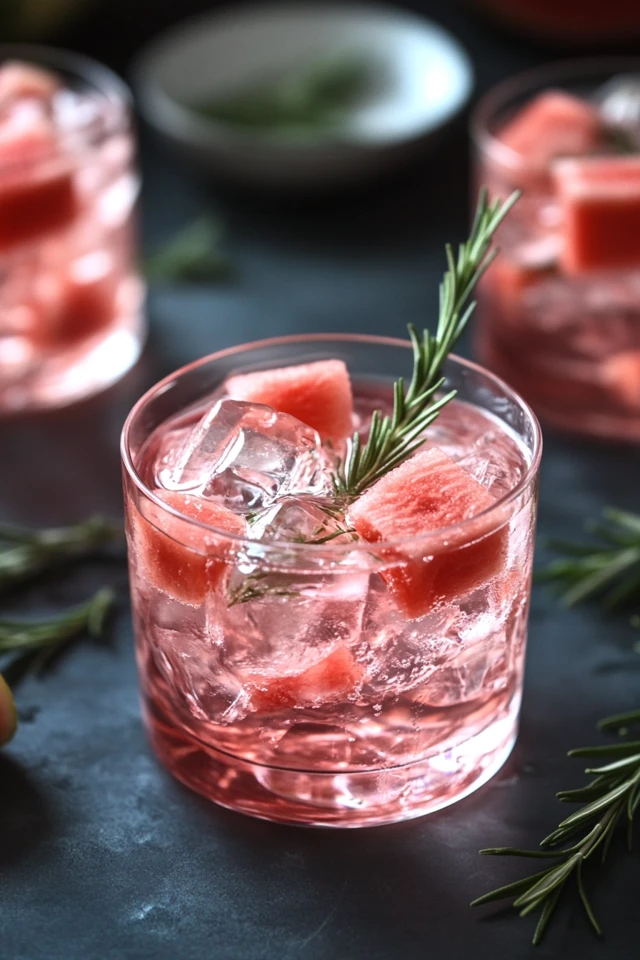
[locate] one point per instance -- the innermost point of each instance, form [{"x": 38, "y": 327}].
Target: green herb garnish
[
  {"x": 34, "y": 644},
  {"x": 26, "y": 554},
  {"x": 612, "y": 796},
  {"x": 311, "y": 99},
  {"x": 194, "y": 254},
  {"x": 608, "y": 568},
  {"x": 392, "y": 439}
]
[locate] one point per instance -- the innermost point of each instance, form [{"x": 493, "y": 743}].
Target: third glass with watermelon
[
  {"x": 315, "y": 660},
  {"x": 560, "y": 310}
]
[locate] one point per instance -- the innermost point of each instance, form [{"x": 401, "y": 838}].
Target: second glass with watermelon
[
  {"x": 310, "y": 660},
  {"x": 71, "y": 318},
  {"x": 560, "y": 309}
]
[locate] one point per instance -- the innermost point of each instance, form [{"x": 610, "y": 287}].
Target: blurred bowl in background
[{"x": 191, "y": 78}]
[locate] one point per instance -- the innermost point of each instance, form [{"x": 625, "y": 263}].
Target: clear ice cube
[
  {"x": 300, "y": 519},
  {"x": 275, "y": 636},
  {"x": 246, "y": 455},
  {"x": 400, "y": 654}
]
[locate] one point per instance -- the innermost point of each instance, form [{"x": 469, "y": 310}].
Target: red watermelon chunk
[
  {"x": 621, "y": 373},
  {"x": 601, "y": 213},
  {"x": 86, "y": 308},
  {"x": 427, "y": 492},
  {"x": 331, "y": 680},
  {"x": 37, "y": 192},
  {"x": 8, "y": 715},
  {"x": 553, "y": 124},
  {"x": 22, "y": 80},
  {"x": 167, "y": 545},
  {"x": 318, "y": 394},
  {"x": 33, "y": 206}
]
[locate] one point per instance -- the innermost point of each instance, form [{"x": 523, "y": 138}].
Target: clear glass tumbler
[
  {"x": 284, "y": 679},
  {"x": 71, "y": 302},
  {"x": 559, "y": 311}
]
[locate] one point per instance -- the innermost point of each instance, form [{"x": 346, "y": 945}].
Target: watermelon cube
[
  {"x": 167, "y": 546},
  {"x": 554, "y": 124},
  {"x": 621, "y": 374},
  {"x": 37, "y": 191},
  {"x": 86, "y": 308},
  {"x": 318, "y": 394},
  {"x": 600, "y": 199},
  {"x": 426, "y": 493},
  {"x": 33, "y": 206},
  {"x": 19, "y": 81},
  {"x": 333, "y": 679}
]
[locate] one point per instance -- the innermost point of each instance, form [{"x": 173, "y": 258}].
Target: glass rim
[
  {"x": 95, "y": 73},
  {"x": 556, "y": 71},
  {"x": 332, "y": 551}
]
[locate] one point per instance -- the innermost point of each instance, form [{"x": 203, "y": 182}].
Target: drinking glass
[
  {"x": 281, "y": 678},
  {"x": 71, "y": 320},
  {"x": 559, "y": 311}
]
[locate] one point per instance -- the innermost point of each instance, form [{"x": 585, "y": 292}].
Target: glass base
[
  {"x": 333, "y": 799},
  {"x": 79, "y": 373}
]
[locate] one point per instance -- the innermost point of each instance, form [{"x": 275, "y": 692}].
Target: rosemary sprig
[
  {"x": 394, "y": 438},
  {"x": 255, "y": 586},
  {"x": 314, "y": 98},
  {"x": 26, "y": 554},
  {"x": 34, "y": 644},
  {"x": 194, "y": 254},
  {"x": 607, "y": 568},
  {"x": 612, "y": 795}
]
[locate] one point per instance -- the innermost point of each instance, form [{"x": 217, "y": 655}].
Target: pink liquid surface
[
  {"x": 327, "y": 706},
  {"x": 70, "y": 302}
]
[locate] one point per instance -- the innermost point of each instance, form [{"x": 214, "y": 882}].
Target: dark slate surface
[{"x": 102, "y": 855}]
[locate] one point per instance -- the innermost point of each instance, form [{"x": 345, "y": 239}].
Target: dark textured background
[{"x": 102, "y": 855}]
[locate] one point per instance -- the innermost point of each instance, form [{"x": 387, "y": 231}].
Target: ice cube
[
  {"x": 466, "y": 678},
  {"x": 300, "y": 519},
  {"x": 246, "y": 454},
  {"x": 400, "y": 654},
  {"x": 282, "y": 634}
]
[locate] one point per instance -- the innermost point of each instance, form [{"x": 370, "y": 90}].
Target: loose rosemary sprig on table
[
  {"x": 612, "y": 795},
  {"x": 26, "y": 554},
  {"x": 608, "y": 568},
  {"x": 34, "y": 644},
  {"x": 392, "y": 439},
  {"x": 193, "y": 255}
]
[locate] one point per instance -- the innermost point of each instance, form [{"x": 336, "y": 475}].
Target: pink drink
[
  {"x": 70, "y": 300},
  {"x": 287, "y": 679},
  {"x": 560, "y": 313}
]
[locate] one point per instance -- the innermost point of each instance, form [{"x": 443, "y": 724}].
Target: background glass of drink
[
  {"x": 281, "y": 678},
  {"x": 71, "y": 303},
  {"x": 559, "y": 312}
]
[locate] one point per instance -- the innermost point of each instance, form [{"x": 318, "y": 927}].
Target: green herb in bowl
[{"x": 316, "y": 98}]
